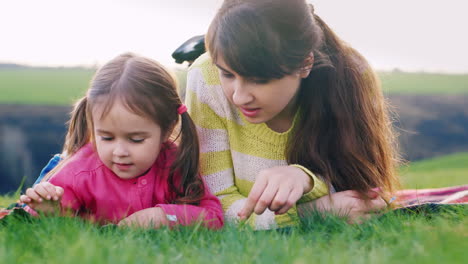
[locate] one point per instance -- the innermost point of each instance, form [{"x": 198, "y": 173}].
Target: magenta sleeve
[{"x": 209, "y": 212}]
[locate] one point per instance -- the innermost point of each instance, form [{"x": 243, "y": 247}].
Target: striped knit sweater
[{"x": 234, "y": 151}]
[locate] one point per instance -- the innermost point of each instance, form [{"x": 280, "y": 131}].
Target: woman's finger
[
  {"x": 294, "y": 196},
  {"x": 281, "y": 197},
  {"x": 267, "y": 197},
  {"x": 377, "y": 204},
  {"x": 31, "y": 193},
  {"x": 254, "y": 195}
]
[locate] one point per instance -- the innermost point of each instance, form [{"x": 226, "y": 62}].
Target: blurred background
[{"x": 50, "y": 49}]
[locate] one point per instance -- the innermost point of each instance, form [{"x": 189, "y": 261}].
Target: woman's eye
[
  {"x": 260, "y": 81},
  {"x": 227, "y": 75},
  {"x": 137, "y": 140}
]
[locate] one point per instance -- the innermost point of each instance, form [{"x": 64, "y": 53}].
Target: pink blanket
[{"x": 448, "y": 195}]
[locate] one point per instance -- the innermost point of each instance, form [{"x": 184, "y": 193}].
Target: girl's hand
[
  {"x": 43, "y": 197},
  {"x": 277, "y": 189},
  {"x": 147, "y": 218},
  {"x": 348, "y": 204}
]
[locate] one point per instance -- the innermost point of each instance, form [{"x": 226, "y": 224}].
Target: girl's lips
[
  {"x": 123, "y": 166},
  {"x": 249, "y": 112}
]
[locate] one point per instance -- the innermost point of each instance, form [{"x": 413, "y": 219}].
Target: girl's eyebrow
[{"x": 136, "y": 133}]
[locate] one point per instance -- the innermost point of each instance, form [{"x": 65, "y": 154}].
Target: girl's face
[
  {"x": 261, "y": 101},
  {"x": 126, "y": 143}
]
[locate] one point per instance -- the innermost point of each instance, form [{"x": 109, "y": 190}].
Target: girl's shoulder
[
  {"x": 85, "y": 159},
  {"x": 168, "y": 153}
]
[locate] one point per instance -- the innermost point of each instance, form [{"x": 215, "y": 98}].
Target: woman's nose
[{"x": 241, "y": 94}]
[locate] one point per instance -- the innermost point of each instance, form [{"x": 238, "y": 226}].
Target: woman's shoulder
[{"x": 203, "y": 67}]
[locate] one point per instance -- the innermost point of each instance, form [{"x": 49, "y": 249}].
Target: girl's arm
[
  {"x": 208, "y": 212},
  {"x": 50, "y": 165},
  {"x": 43, "y": 197}
]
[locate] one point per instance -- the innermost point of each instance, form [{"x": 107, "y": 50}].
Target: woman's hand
[
  {"x": 348, "y": 204},
  {"x": 44, "y": 197},
  {"x": 277, "y": 189},
  {"x": 154, "y": 217}
]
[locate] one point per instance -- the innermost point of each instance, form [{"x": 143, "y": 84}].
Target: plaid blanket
[
  {"x": 448, "y": 195},
  {"x": 409, "y": 198}
]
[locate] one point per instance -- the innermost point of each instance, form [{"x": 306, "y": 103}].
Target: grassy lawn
[
  {"x": 438, "y": 172},
  {"x": 424, "y": 83},
  {"x": 43, "y": 86},
  {"x": 63, "y": 86},
  {"x": 391, "y": 238}
]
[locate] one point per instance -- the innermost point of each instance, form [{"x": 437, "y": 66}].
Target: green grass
[
  {"x": 443, "y": 171},
  {"x": 43, "y": 86},
  {"x": 64, "y": 86},
  {"x": 391, "y": 238},
  {"x": 394, "y": 238}
]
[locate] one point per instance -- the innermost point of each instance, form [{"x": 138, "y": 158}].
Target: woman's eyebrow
[{"x": 217, "y": 65}]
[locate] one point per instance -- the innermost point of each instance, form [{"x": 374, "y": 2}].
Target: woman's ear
[{"x": 308, "y": 64}]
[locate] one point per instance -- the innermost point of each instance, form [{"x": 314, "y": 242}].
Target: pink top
[{"x": 93, "y": 190}]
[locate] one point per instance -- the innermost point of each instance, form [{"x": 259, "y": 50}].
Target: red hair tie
[{"x": 182, "y": 109}]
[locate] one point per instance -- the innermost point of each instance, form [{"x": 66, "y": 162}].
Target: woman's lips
[{"x": 249, "y": 112}]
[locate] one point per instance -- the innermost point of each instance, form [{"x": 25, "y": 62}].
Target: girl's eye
[
  {"x": 137, "y": 140},
  {"x": 106, "y": 138}
]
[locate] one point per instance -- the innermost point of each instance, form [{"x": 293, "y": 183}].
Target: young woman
[{"x": 287, "y": 113}]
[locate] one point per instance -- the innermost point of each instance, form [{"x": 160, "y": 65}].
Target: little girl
[{"x": 120, "y": 166}]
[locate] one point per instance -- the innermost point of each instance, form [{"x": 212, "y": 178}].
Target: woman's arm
[
  {"x": 207, "y": 112},
  {"x": 346, "y": 204}
]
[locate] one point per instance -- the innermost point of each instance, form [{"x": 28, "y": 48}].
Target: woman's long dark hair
[
  {"x": 147, "y": 89},
  {"x": 344, "y": 133}
]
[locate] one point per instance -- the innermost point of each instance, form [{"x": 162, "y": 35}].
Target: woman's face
[{"x": 261, "y": 101}]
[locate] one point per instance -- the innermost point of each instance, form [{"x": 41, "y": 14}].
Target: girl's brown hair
[
  {"x": 344, "y": 133},
  {"x": 147, "y": 89}
]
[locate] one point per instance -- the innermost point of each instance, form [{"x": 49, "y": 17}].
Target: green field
[
  {"x": 43, "y": 86},
  {"x": 438, "y": 172},
  {"x": 392, "y": 238},
  {"x": 63, "y": 86},
  {"x": 424, "y": 83}
]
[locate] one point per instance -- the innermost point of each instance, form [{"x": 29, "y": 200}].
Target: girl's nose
[
  {"x": 120, "y": 151},
  {"x": 241, "y": 95}
]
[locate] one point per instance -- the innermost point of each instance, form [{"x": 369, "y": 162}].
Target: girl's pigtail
[
  {"x": 78, "y": 128},
  {"x": 187, "y": 163},
  {"x": 77, "y": 135}
]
